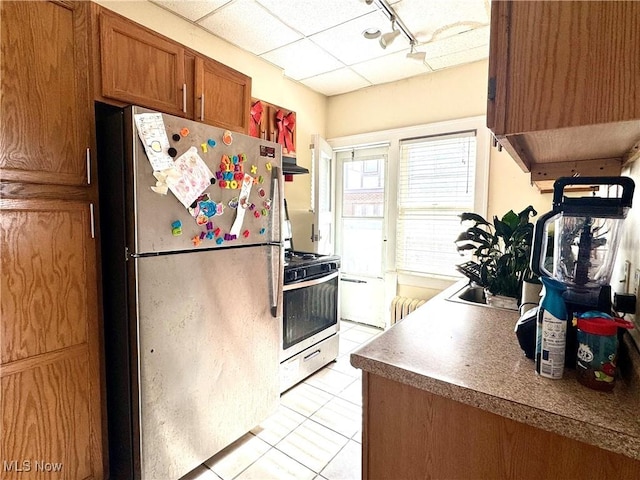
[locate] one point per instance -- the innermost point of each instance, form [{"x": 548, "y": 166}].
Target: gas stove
[{"x": 301, "y": 266}]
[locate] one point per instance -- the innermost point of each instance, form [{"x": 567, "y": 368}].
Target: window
[
  {"x": 433, "y": 173},
  {"x": 436, "y": 182}
]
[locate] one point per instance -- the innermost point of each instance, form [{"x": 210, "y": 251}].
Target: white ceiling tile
[
  {"x": 336, "y": 82},
  {"x": 309, "y": 37},
  {"x": 191, "y": 10},
  {"x": 478, "y": 38},
  {"x": 390, "y": 68},
  {"x": 249, "y": 26},
  {"x": 302, "y": 59},
  {"x": 440, "y": 18},
  {"x": 346, "y": 42},
  {"x": 313, "y": 16},
  {"x": 457, "y": 58}
]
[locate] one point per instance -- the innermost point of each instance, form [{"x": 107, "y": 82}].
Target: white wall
[{"x": 268, "y": 84}]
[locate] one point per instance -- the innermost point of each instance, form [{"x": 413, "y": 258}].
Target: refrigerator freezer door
[
  {"x": 208, "y": 354},
  {"x": 155, "y": 214}
]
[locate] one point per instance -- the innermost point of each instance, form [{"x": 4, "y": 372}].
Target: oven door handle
[{"x": 310, "y": 283}]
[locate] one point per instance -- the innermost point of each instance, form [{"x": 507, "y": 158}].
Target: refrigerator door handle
[
  {"x": 276, "y": 277},
  {"x": 276, "y": 281}
]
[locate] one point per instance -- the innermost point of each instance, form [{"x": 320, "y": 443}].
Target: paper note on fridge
[
  {"x": 153, "y": 135},
  {"x": 194, "y": 179}
]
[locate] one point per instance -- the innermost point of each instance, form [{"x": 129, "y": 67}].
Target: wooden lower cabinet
[
  {"x": 413, "y": 434},
  {"x": 50, "y": 402}
]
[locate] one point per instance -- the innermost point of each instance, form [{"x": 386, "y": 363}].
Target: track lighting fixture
[
  {"x": 416, "y": 55},
  {"x": 389, "y": 37}
]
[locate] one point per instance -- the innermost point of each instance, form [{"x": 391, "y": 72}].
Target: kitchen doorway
[{"x": 361, "y": 235}]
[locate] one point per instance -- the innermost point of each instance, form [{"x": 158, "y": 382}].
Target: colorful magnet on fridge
[
  {"x": 184, "y": 132},
  {"x": 262, "y": 230},
  {"x": 261, "y": 179},
  {"x": 216, "y": 232},
  {"x": 265, "y": 212},
  {"x": 176, "y": 137},
  {"x": 209, "y": 235},
  {"x": 261, "y": 192},
  {"x": 222, "y": 184},
  {"x": 176, "y": 228},
  {"x": 233, "y": 203},
  {"x": 204, "y": 147},
  {"x": 254, "y": 169},
  {"x": 256, "y": 214},
  {"x": 268, "y": 165},
  {"x": 196, "y": 241},
  {"x": 227, "y": 138},
  {"x": 219, "y": 240},
  {"x": 233, "y": 184},
  {"x": 211, "y": 142},
  {"x": 245, "y": 234}
]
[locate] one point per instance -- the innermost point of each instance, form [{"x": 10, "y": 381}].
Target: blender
[{"x": 586, "y": 235}]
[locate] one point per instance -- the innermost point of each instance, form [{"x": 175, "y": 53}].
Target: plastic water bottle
[{"x": 551, "y": 330}]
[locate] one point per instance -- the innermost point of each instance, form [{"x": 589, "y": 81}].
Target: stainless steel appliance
[
  {"x": 192, "y": 296},
  {"x": 311, "y": 323}
]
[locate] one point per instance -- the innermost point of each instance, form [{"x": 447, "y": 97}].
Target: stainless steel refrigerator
[{"x": 192, "y": 311}]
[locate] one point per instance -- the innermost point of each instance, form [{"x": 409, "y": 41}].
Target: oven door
[{"x": 310, "y": 313}]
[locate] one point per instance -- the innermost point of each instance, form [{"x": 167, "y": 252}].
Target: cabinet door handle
[
  {"x": 184, "y": 97},
  {"x": 202, "y": 107},
  {"x": 93, "y": 228},
  {"x": 88, "y": 166}
]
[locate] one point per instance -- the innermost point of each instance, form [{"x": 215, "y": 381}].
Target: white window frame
[{"x": 393, "y": 137}]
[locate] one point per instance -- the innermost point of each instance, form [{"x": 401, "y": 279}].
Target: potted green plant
[{"x": 502, "y": 250}]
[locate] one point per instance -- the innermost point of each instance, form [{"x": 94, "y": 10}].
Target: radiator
[{"x": 403, "y": 306}]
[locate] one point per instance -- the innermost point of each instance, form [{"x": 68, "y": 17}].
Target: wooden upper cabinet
[
  {"x": 46, "y": 107},
  {"x": 223, "y": 95},
  {"x": 141, "y": 67},
  {"x": 563, "y": 84}
]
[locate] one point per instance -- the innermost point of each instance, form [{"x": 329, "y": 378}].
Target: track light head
[
  {"x": 416, "y": 55},
  {"x": 387, "y": 38}
]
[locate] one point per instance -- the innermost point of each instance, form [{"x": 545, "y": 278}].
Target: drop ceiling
[{"x": 320, "y": 43}]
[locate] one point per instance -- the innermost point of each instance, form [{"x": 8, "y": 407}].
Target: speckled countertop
[{"x": 470, "y": 354}]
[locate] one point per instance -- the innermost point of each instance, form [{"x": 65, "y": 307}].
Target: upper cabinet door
[
  {"x": 45, "y": 102},
  {"x": 563, "y": 85},
  {"x": 223, "y": 96},
  {"x": 141, "y": 67}
]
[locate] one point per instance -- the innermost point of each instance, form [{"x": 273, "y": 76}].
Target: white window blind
[{"x": 436, "y": 184}]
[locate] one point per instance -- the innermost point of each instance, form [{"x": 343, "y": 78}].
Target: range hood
[{"x": 290, "y": 167}]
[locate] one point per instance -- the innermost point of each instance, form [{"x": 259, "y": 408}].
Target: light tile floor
[{"x": 316, "y": 432}]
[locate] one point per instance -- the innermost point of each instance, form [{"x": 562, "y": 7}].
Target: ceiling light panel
[
  {"x": 347, "y": 44},
  {"x": 336, "y": 82},
  {"x": 313, "y": 16},
  {"x": 390, "y": 68},
  {"x": 433, "y": 19},
  {"x": 457, "y": 58},
  {"x": 302, "y": 59},
  {"x": 478, "y": 38},
  {"x": 250, "y": 26}
]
